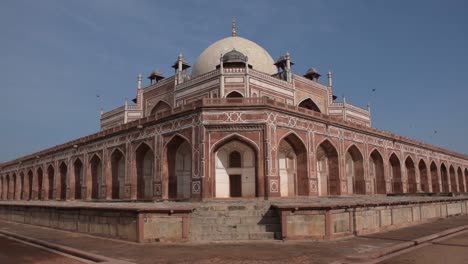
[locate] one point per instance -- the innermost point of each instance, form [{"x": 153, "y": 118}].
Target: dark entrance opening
[{"x": 235, "y": 185}]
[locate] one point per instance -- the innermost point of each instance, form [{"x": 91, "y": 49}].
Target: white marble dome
[{"x": 258, "y": 57}]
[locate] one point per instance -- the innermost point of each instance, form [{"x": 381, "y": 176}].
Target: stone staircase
[{"x": 234, "y": 221}]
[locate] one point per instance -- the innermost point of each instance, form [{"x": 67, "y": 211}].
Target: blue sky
[{"x": 56, "y": 56}]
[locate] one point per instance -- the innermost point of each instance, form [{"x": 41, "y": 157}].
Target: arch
[
  {"x": 308, "y": 103},
  {"x": 434, "y": 178},
  {"x": 8, "y": 187},
  {"x": 376, "y": 172},
  {"x": 63, "y": 180},
  {"x": 15, "y": 187},
  {"x": 40, "y": 180},
  {"x": 118, "y": 174},
  {"x": 21, "y": 191},
  {"x": 444, "y": 178},
  {"x": 461, "y": 186},
  {"x": 78, "y": 178},
  {"x": 292, "y": 164},
  {"x": 50, "y": 181},
  {"x": 161, "y": 107},
  {"x": 411, "y": 175},
  {"x": 328, "y": 169},
  {"x": 96, "y": 175},
  {"x": 424, "y": 179},
  {"x": 2, "y": 188},
  {"x": 31, "y": 182},
  {"x": 395, "y": 174},
  {"x": 179, "y": 167},
  {"x": 453, "y": 179},
  {"x": 354, "y": 166},
  {"x": 466, "y": 179},
  {"x": 235, "y": 182},
  {"x": 234, "y": 94},
  {"x": 145, "y": 171}
]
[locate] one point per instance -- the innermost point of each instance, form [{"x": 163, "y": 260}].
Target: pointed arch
[
  {"x": 8, "y": 187},
  {"x": 461, "y": 186},
  {"x": 435, "y": 178},
  {"x": 78, "y": 178},
  {"x": 411, "y": 175},
  {"x": 234, "y": 94},
  {"x": 63, "y": 180},
  {"x": 328, "y": 169},
  {"x": 96, "y": 175},
  {"x": 444, "y": 178},
  {"x": 424, "y": 179},
  {"x": 292, "y": 164},
  {"x": 40, "y": 184},
  {"x": 354, "y": 165},
  {"x": 15, "y": 187},
  {"x": 376, "y": 172},
  {"x": 178, "y": 153},
  {"x": 21, "y": 191},
  {"x": 395, "y": 174},
  {"x": 308, "y": 103},
  {"x": 453, "y": 179},
  {"x": 50, "y": 182},
  {"x": 161, "y": 107},
  {"x": 466, "y": 179},
  {"x": 235, "y": 182},
  {"x": 117, "y": 174},
  {"x": 145, "y": 171},
  {"x": 31, "y": 183}
]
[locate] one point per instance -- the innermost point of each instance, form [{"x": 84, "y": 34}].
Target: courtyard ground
[{"x": 337, "y": 251}]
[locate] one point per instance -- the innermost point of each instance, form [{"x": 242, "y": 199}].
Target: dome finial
[{"x": 234, "y": 29}]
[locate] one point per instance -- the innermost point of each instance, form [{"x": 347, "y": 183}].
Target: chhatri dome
[{"x": 257, "y": 56}]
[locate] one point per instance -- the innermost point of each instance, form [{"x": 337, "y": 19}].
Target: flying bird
[{"x": 373, "y": 90}]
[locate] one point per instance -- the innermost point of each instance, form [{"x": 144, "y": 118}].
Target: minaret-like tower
[
  {"x": 180, "y": 67},
  {"x": 234, "y": 28}
]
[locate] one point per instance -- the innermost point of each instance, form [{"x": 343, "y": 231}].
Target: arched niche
[
  {"x": 444, "y": 178},
  {"x": 145, "y": 172},
  {"x": 354, "y": 166},
  {"x": 160, "y": 108},
  {"x": 424, "y": 179},
  {"x": 434, "y": 178},
  {"x": 292, "y": 164},
  {"x": 96, "y": 176},
  {"x": 235, "y": 181},
  {"x": 453, "y": 180},
  {"x": 395, "y": 174},
  {"x": 63, "y": 181},
  {"x": 118, "y": 174},
  {"x": 179, "y": 168},
  {"x": 328, "y": 169},
  {"x": 376, "y": 172},
  {"x": 78, "y": 178},
  {"x": 309, "y": 104},
  {"x": 411, "y": 175}
]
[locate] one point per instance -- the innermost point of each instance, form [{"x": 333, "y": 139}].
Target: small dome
[
  {"x": 234, "y": 56},
  {"x": 257, "y": 56}
]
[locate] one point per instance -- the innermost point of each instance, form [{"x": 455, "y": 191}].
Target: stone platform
[{"x": 246, "y": 219}]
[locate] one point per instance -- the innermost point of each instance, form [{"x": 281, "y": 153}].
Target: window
[{"x": 235, "y": 159}]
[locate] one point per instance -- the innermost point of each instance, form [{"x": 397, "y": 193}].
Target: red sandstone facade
[{"x": 234, "y": 131}]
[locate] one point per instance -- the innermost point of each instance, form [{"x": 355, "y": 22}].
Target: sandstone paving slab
[{"x": 233, "y": 252}]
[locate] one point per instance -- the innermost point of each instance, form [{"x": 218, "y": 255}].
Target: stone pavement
[{"x": 238, "y": 252}]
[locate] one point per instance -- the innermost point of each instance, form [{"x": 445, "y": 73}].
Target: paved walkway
[{"x": 234, "y": 252}]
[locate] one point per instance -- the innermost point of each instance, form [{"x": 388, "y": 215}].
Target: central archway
[
  {"x": 328, "y": 169},
  {"x": 376, "y": 172},
  {"x": 179, "y": 166},
  {"x": 235, "y": 170}
]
